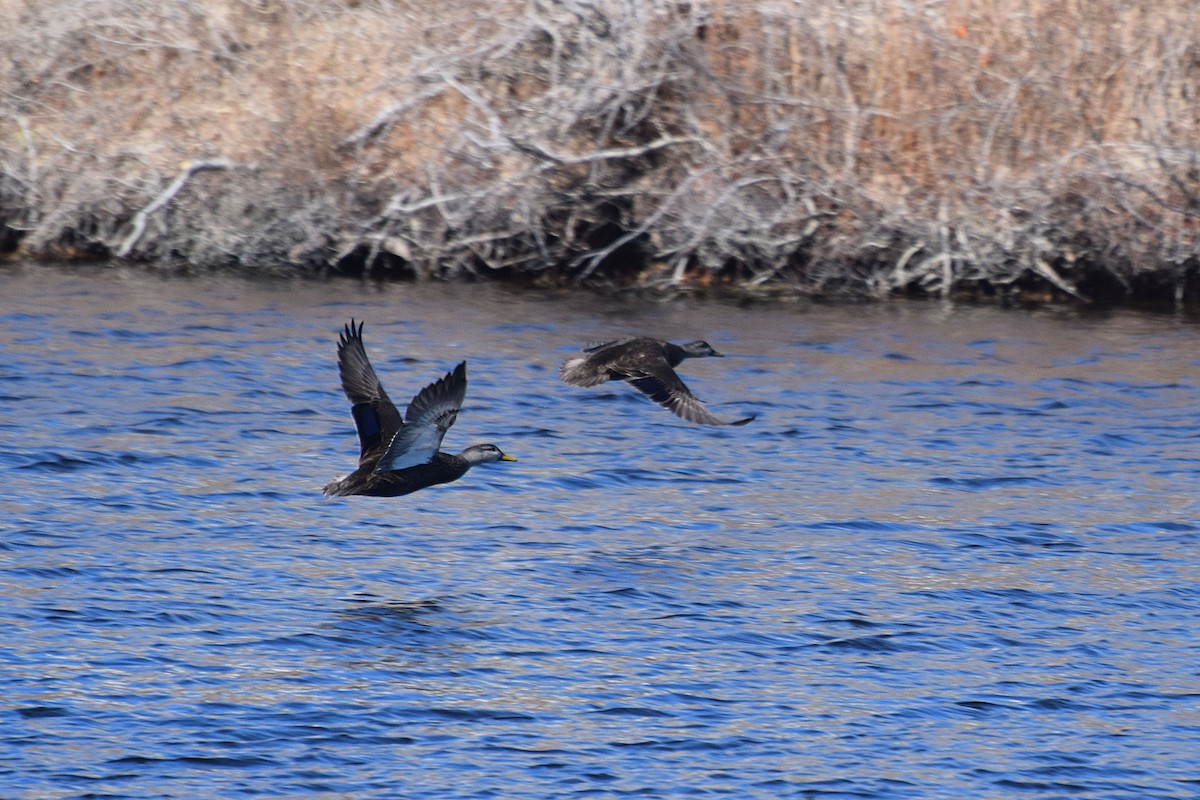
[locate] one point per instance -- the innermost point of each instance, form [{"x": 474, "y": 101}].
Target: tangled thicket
[{"x": 869, "y": 147}]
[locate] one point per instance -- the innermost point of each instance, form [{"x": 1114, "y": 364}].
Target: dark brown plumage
[
  {"x": 649, "y": 366},
  {"x": 399, "y": 455}
]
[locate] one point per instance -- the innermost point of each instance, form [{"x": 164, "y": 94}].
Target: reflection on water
[{"x": 954, "y": 556}]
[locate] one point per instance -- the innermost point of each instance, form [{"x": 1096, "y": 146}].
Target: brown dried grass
[{"x": 868, "y": 147}]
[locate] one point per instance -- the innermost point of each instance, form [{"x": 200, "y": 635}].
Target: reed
[{"x": 1031, "y": 148}]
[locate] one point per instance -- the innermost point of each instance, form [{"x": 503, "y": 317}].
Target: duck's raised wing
[
  {"x": 375, "y": 417},
  {"x": 429, "y": 416},
  {"x": 603, "y": 349}
]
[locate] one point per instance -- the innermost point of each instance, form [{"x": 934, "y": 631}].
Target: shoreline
[{"x": 721, "y": 293}]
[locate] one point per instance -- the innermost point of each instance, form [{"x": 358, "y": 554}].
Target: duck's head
[
  {"x": 700, "y": 349},
  {"x": 484, "y": 454}
]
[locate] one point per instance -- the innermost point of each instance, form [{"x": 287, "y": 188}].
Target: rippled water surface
[{"x": 955, "y": 556}]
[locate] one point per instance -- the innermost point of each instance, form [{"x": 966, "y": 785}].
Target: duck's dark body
[
  {"x": 444, "y": 468},
  {"x": 623, "y": 358},
  {"x": 399, "y": 455},
  {"x": 649, "y": 366}
]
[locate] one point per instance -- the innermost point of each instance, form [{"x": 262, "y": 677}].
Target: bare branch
[{"x": 165, "y": 197}]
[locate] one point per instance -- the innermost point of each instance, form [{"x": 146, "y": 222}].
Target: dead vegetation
[{"x": 1010, "y": 148}]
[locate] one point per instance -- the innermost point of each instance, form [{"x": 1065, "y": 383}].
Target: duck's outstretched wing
[
  {"x": 658, "y": 381},
  {"x": 429, "y": 416},
  {"x": 376, "y": 418}
]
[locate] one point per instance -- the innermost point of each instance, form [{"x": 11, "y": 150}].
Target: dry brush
[{"x": 1012, "y": 148}]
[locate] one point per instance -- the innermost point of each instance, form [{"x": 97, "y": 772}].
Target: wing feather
[
  {"x": 375, "y": 416},
  {"x": 429, "y": 416},
  {"x": 662, "y": 385}
]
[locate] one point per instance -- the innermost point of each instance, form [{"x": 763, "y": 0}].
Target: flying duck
[
  {"x": 400, "y": 455},
  {"x": 648, "y": 365}
]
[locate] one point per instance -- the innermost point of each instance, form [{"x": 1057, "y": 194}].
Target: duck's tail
[
  {"x": 576, "y": 372},
  {"x": 337, "y": 487}
]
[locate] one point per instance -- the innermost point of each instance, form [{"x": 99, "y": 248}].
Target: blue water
[{"x": 956, "y": 556}]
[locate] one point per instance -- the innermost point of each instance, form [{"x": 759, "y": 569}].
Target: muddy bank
[{"x": 1016, "y": 150}]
